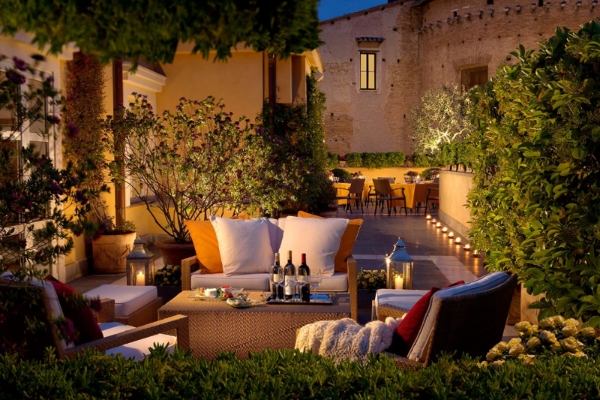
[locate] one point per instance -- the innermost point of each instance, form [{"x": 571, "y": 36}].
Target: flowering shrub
[
  {"x": 554, "y": 335},
  {"x": 429, "y": 174},
  {"x": 169, "y": 275},
  {"x": 371, "y": 279},
  {"x": 412, "y": 173}
]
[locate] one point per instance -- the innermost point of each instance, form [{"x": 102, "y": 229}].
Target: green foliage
[
  {"x": 425, "y": 160},
  {"x": 375, "y": 160},
  {"x": 371, "y": 279},
  {"x": 300, "y": 134},
  {"x": 196, "y": 161},
  {"x": 341, "y": 173},
  {"x": 152, "y": 30},
  {"x": 442, "y": 117},
  {"x": 33, "y": 193},
  {"x": 535, "y": 199},
  {"x": 291, "y": 374},
  {"x": 332, "y": 160},
  {"x": 429, "y": 174},
  {"x": 458, "y": 153},
  {"x": 354, "y": 160},
  {"x": 169, "y": 275}
]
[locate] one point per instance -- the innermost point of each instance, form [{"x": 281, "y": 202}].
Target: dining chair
[
  {"x": 371, "y": 195},
  {"x": 355, "y": 193},
  {"x": 386, "y": 193},
  {"x": 433, "y": 198},
  {"x": 389, "y": 178}
]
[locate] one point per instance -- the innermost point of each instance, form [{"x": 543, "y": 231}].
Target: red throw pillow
[
  {"x": 408, "y": 329},
  {"x": 82, "y": 317}
]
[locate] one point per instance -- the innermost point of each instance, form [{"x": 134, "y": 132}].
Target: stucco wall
[
  {"x": 420, "y": 54},
  {"x": 454, "y": 187},
  {"x": 238, "y": 82}
]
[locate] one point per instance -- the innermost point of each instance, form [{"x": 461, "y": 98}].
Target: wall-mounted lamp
[
  {"x": 457, "y": 18},
  {"x": 563, "y": 4},
  {"x": 506, "y": 9},
  {"x": 492, "y": 11},
  {"x": 518, "y": 8},
  {"x": 468, "y": 15},
  {"x": 480, "y": 13},
  {"x": 578, "y": 4},
  {"x": 548, "y": 4},
  {"x": 449, "y": 20},
  {"x": 533, "y": 6},
  {"x": 438, "y": 23},
  {"x": 594, "y": 3}
]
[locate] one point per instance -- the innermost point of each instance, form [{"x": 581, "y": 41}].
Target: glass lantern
[
  {"x": 140, "y": 265},
  {"x": 399, "y": 268}
]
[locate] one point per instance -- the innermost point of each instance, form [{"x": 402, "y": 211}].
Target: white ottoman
[{"x": 134, "y": 305}]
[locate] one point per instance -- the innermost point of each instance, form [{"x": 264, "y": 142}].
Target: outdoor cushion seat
[
  {"x": 139, "y": 348},
  {"x": 128, "y": 299},
  {"x": 402, "y": 300},
  {"x": 256, "y": 282},
  {"x": 338, "y": 282}
]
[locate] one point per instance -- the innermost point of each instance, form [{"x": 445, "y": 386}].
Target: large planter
[
  {"x": 168, "y": 293},
  {"x": 109, "y": 252},
  {"x": 365, "y": 298},
  {"x": 173, "y": 253}
]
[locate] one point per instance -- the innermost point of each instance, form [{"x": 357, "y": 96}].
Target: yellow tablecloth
[{"x": 415, "y": 193}]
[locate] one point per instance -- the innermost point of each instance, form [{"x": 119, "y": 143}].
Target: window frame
[{"x": 367, "y": 70}]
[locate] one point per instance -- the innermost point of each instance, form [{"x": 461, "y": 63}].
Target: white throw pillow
[
  {"x": 244, "y": 245},
  {"x": 318, "y": 238}
]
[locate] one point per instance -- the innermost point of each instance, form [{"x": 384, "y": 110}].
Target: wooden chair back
[
  {"x": 382, "y": 186},
  {"x": 389, "y": 178},
  {"x": 356, "y": 187}
]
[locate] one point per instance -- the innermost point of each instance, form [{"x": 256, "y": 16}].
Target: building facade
[{"x": 379, "y": 62}]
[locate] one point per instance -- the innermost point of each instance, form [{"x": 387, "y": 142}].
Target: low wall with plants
[
  {"x": 371, "y": 173},
  {"x": 382, "y": 160},
  {"x": 454, "y": 188},
  {"x": 290, "y": 374}
]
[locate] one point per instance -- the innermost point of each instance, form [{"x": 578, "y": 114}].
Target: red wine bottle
[
  {"x": 303, "y": 270},
  {"x": 277, "y": 291},
  {"x": 290, "y": 274}
]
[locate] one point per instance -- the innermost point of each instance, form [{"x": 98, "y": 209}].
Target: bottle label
[{"x": 288, "y": 286}]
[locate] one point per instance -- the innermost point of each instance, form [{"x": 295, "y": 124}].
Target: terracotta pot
[
  {"x": 173, "y": 253},
  {"x": 109, "y": 252},
  {"x": 408, "y": 163}
]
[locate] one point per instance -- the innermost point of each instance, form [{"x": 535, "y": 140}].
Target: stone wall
[{"x": 425, "y": 46}]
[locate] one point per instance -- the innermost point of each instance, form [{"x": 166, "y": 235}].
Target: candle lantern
[
  {"x": 467, "y": 247},
  {"x": 140, "y": 265},
  {"x": 399, "y": 267},
  {"x": 451, "y": 234},
  {"x": 438, "y": 225},
  {"x": 444, "y": 229},
  {"x": 428, "y": 217},
  {"x": 457, "y": 240}
]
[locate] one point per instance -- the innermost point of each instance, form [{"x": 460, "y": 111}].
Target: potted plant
[
  {"x": 193, "y": 162},
  {"x": 168, "y": 282},
  {"x": 368, "y": 282},
  {"x": 112, "y": 245},
  {"x": 410, "y": 176}
]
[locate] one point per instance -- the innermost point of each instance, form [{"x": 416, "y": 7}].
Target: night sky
[{"x": 334, "y": 8}]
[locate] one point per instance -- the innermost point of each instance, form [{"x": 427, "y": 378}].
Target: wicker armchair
[
  {"x": 188, "y": 264},
  {"x": 32, "y": 303},
  {"x": 469, "y": 323}
]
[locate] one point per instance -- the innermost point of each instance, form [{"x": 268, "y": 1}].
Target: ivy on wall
[{"x": 536, "y": 200}]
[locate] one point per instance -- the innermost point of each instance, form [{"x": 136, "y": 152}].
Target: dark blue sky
[{"x": 334, "y": 8}]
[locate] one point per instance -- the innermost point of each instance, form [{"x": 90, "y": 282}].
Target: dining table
[{"x": 415, "y": 193}]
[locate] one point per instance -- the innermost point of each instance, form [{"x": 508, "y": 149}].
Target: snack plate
[
  {"x": 245, "y": 304},
  {"x": 199, "y": 296},
  {"x": 322, "y": 299}
]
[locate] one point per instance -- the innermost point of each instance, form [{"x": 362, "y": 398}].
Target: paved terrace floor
[{"x": 437, "y": 260}]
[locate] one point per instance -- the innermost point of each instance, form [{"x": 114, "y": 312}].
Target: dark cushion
[
  {"x": 82, "y": 316},
  {"x": 408, "y": 329}
]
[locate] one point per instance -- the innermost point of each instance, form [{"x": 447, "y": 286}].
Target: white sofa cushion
[
  {"x": 275, "y": 234},
  {"x": 128, "y": 299},
  {"x": 404, "y": 299},
  {"x": 338, "y": 282},
  {"x": 244, "y": 245},
  {"x": 484, "y": 283},
  {"x": 318, "y": 238},
  {"x": 138, "y": 349},
  {"x": 257, "y": 282}
]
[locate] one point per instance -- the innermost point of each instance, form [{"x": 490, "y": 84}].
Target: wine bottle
[
  {"x": 277, "y": 291},
  {"x": 303, "y": 270},
  {"x": 290, "y": 274}
]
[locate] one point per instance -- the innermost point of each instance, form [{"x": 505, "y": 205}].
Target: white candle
[
  {"x": 399, "y": 282},
  {"x": 457, "y": 241},
  {"x": 433, "y": 221},
  {"x": 476, "y": 253},
  {"x": 444, "y": 229},
  {"x": 467, "y": 247},
  {"x": 451, "y": 234},
  {"x": 428, "y": 216},
  {"x": 438, "y": 225},
  {"x": 140, "y": 279}
]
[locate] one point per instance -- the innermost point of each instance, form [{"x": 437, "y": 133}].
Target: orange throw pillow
[
  {"x": 346, "y": 244},
  {"x": 206, "y": 245}
]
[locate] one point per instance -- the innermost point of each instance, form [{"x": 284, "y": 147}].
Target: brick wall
[{"x": 421, "y": 53}]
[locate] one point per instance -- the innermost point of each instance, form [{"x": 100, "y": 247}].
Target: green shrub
[
  {"x": 169, "y": 275},
  {"x": 534, "y": 204},
  {"x": 368, "y": 160},
  {"x": 429, "y": 173},
  {"x": 371, "y": 279},
  {"x": 289, "y": 374},
  {"x": 332, "y": 160},
  {"x": 341, "y": 173},
  {"x": 354, "y": 160},
  {"x": 424, "y": 160},
  {"x": 395, "y": 159}
]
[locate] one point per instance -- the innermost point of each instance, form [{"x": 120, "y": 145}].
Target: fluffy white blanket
[{"x": 345, "y": 339}]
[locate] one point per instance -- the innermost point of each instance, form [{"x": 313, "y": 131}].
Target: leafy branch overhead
[{"x": 152, "y": 29}]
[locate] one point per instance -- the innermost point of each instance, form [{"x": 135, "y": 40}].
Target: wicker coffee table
[{"x": 215, "y": 326}]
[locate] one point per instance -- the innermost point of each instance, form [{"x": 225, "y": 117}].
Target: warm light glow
[
  {"x": 457, "y": 241},
  {"x": 140, "y": 279},
  {"x": 438, "y": 225},
  {"x": 467, "y": 247},
  {"x": 428, "y": 216},
  {"x": 444, "y": 229},
  {"x": 399, "y": 282},
  {"x": 451, "y": 234},
  {"x": 433, "y": 221},
  {"x": 476, "y": 253}
]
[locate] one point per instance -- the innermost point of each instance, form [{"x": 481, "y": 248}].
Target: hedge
[
  {"x": 375, "y": 160},
  {"x": 291, "y": 374}
]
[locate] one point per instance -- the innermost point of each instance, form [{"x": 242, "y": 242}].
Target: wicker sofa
[{"x": 341, "y": 281}]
